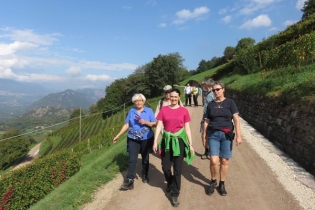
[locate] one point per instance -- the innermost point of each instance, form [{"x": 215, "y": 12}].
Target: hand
[
  {"x": 154, "y": 148},
  {"x": 115, "y": 139},
  {"x": 192, "y": 151},
  {"x": 238, "y": 140},
  {"x": 142, "y": 122}
]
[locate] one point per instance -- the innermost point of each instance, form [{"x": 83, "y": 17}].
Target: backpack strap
[{"x": 161, "y": 102}]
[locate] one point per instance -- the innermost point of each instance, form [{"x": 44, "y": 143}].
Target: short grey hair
[
  {"x": 209, "y": 82},
  {"x": 137, "y": 96}
]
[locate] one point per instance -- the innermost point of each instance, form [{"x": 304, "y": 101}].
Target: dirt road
[
  {"x": 251, "y": 183},
  {"x": 31, "y": 155}
]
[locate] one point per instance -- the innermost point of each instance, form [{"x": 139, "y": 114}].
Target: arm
[
  {"x": 157, "y": 134},
  {"x": 123, "y": 130},
  {"x": 236, "y": 121},
  {"x": 188, "y": 133},
  {"x": 147, "y": 123},
  {"x": 205, "y": 127}
]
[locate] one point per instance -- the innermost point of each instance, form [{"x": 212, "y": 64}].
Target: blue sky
[{"x": 90, "y": 43}]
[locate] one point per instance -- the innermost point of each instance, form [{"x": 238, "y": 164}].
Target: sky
[{"x": 75, "y": 44}]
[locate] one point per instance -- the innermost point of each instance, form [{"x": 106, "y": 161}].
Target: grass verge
[{"x": 98, "y": 168}]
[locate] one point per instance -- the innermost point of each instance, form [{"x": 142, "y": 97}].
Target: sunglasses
[{"x": 217, "y": 89}]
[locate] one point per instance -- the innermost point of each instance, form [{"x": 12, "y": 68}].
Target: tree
[
  {"x": 243, "y": 44},
  {"x": 202, "y": 66},
  {"x": 76, "y": 113},
  {"x": 163, "y": 70},
  {"x": 308, "y": 8},
  {"x": 229, "y": 53},
  {"x": 13, "y": 148}
]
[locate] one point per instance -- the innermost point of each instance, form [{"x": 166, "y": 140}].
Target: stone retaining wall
[{"x": 291, "y": 127}]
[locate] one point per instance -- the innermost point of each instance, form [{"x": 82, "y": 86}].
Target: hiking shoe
[
  {"x": 168, "y": 187},
  {"x": 210, "y": 189},
  {"x": 127, "y": 185},
  {"x": 175, "y": 202},
  {"x": 222, "y": 190},
  {"x": 145, "y": 179}
]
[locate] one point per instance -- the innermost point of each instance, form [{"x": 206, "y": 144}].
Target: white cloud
[
  {"x": 222, "y": 11},
  {"x": 227, "y": 19},
  {"x": 127, "y": 7},
  {"x": 162, "y": 25},
  {"x": 273, "y": 29},
  {"x": 103, "y": 77},
  {"x": 17, "y": 46},
  {"x": 184, "y": 15},
  {"x": 289, "y": 22},
  {"x": 74, "y": 70},
  {"x": 255, "y": 5},
  {"x": 259, "y": 21},
  {"x": 26, "y": 56},
  {"x": 104, "y": 66},
  {"x": 300, "y": 4},
  {"x": 29, "y": 36}
]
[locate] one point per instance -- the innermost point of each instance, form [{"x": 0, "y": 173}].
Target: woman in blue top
[{"x": 139, "y": 122}]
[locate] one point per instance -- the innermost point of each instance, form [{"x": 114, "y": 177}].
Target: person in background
[
  {"x": 166, "y": 100},
  {"x": 220, "y": 135},
  {"x": 204, "y": 92},
  {"x": 139, "y": 123},
  {"x": 209, "y": 96},
  {"x": 195, "y": 91},
  {"x": 187, "y": 91},
  {"x": 176, "y": 143}
]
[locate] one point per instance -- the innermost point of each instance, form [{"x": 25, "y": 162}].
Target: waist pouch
[{"x": 230, "y": 135}]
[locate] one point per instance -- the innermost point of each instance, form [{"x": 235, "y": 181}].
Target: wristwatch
[{"x": 191, "y": 145}]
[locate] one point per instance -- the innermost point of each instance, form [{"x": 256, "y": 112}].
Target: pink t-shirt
[{"x": 173, "y": 119}]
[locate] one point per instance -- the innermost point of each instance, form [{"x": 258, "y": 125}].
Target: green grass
[
  {"x": 98, "y": 167},
  {"x": 288, "y": 83},
  {"x": 201, "y": 76}
]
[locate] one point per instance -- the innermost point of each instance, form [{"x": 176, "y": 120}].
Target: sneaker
[
  {"x": 145, "y": 179},
  {"x": 212, "y": 186},
  {"x": 175, "y": 202},
  {"x": 127, "y": 185},
  {"x": 168, "y": 187},
  {"x": 222, "y": 190}
]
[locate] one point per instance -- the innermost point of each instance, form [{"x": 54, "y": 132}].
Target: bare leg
[
  {"x": 224, "y": 165},
  {"x": 214, "y": 168}
]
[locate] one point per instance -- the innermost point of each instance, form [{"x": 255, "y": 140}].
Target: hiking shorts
[{"x": 219, "y": 144}]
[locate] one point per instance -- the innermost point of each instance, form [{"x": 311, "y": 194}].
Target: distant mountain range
[
  {"x": 69, "y": 99},
  {"x": 17, "y": 98}
]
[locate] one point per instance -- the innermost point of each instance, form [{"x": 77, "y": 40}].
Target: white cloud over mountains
[{"x": 28, "y": 56}]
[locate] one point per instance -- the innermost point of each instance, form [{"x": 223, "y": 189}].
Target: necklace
[{"x": 219, "y": 104}]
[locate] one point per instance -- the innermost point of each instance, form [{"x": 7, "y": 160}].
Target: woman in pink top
[{"x": 176, "y": 143}]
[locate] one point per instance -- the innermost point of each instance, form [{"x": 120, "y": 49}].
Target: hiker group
[{"x": 218, "y": 127}]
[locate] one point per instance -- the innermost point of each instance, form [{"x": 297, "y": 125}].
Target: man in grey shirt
[{"x": 209, "y": 96}]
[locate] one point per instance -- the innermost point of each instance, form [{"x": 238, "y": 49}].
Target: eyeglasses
[{"x": 217, "y": 89}]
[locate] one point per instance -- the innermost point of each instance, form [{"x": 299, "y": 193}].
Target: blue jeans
[
  {"x": 219, "y": 144},
  {"x": 134, "y": 148}
]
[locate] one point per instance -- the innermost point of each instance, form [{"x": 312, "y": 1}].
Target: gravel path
[{"x": 260, "y": 177}]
